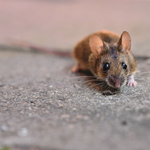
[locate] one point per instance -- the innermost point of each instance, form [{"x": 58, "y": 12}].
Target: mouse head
[{"x": 111, "y": 61}]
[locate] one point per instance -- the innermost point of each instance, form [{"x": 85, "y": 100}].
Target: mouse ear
[
  {"x": 124, "y": 43},
  {"x": 96, "y": 44}
]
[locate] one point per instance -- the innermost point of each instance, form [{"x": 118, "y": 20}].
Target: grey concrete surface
[{"x": 43, "y": 106}]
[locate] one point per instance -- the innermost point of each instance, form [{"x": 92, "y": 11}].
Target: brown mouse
[{"x": 108, "y": 57}]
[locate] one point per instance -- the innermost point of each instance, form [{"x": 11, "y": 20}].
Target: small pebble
[
  {"x": 23, "y": 132},
  {"x": 74, "y": 109},
  {"x": 77, "y": 86},
  {"x": 30, "y": 108},
  {"x": 3, "y": 128},
  {"x": 110, "y": 97}
]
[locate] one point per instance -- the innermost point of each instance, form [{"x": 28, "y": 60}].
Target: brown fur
[{"x": 101, "y": 47}]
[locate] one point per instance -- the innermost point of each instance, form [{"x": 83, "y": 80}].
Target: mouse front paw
[{"x": 131, "y": 81}]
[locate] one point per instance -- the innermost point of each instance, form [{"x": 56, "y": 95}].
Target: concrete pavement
[{"x": 45, "y": 107}]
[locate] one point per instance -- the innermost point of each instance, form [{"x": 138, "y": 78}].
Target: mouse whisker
[
  {"x": 80, "y": 77},
  {"x": 96, "y": 85},
  {"x": 98, "y": 77},
  {"x": 90, "y": 80}
]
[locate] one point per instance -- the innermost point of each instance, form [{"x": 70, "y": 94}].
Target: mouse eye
[
  {"x": 106, "y": 66},
  {"x": 124, "y": 66}
]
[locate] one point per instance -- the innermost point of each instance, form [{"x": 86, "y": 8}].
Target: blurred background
[{"x": 62, "y": 23}]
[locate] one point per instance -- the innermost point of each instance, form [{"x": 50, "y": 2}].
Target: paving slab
[{"x": 43, "y": 106}]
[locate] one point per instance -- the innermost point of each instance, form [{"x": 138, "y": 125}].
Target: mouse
[
  {"x": 108, "y": 57},
  {"x": 105, "y": 54}
]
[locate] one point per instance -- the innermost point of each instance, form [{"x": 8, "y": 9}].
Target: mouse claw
[{"x": 131, "y": 81}]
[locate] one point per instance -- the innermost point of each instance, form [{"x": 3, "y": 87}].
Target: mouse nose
[{"x": 116, "y": 81}]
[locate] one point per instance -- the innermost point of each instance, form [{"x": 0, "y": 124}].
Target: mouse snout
[{"x": 116, "y": 81}]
